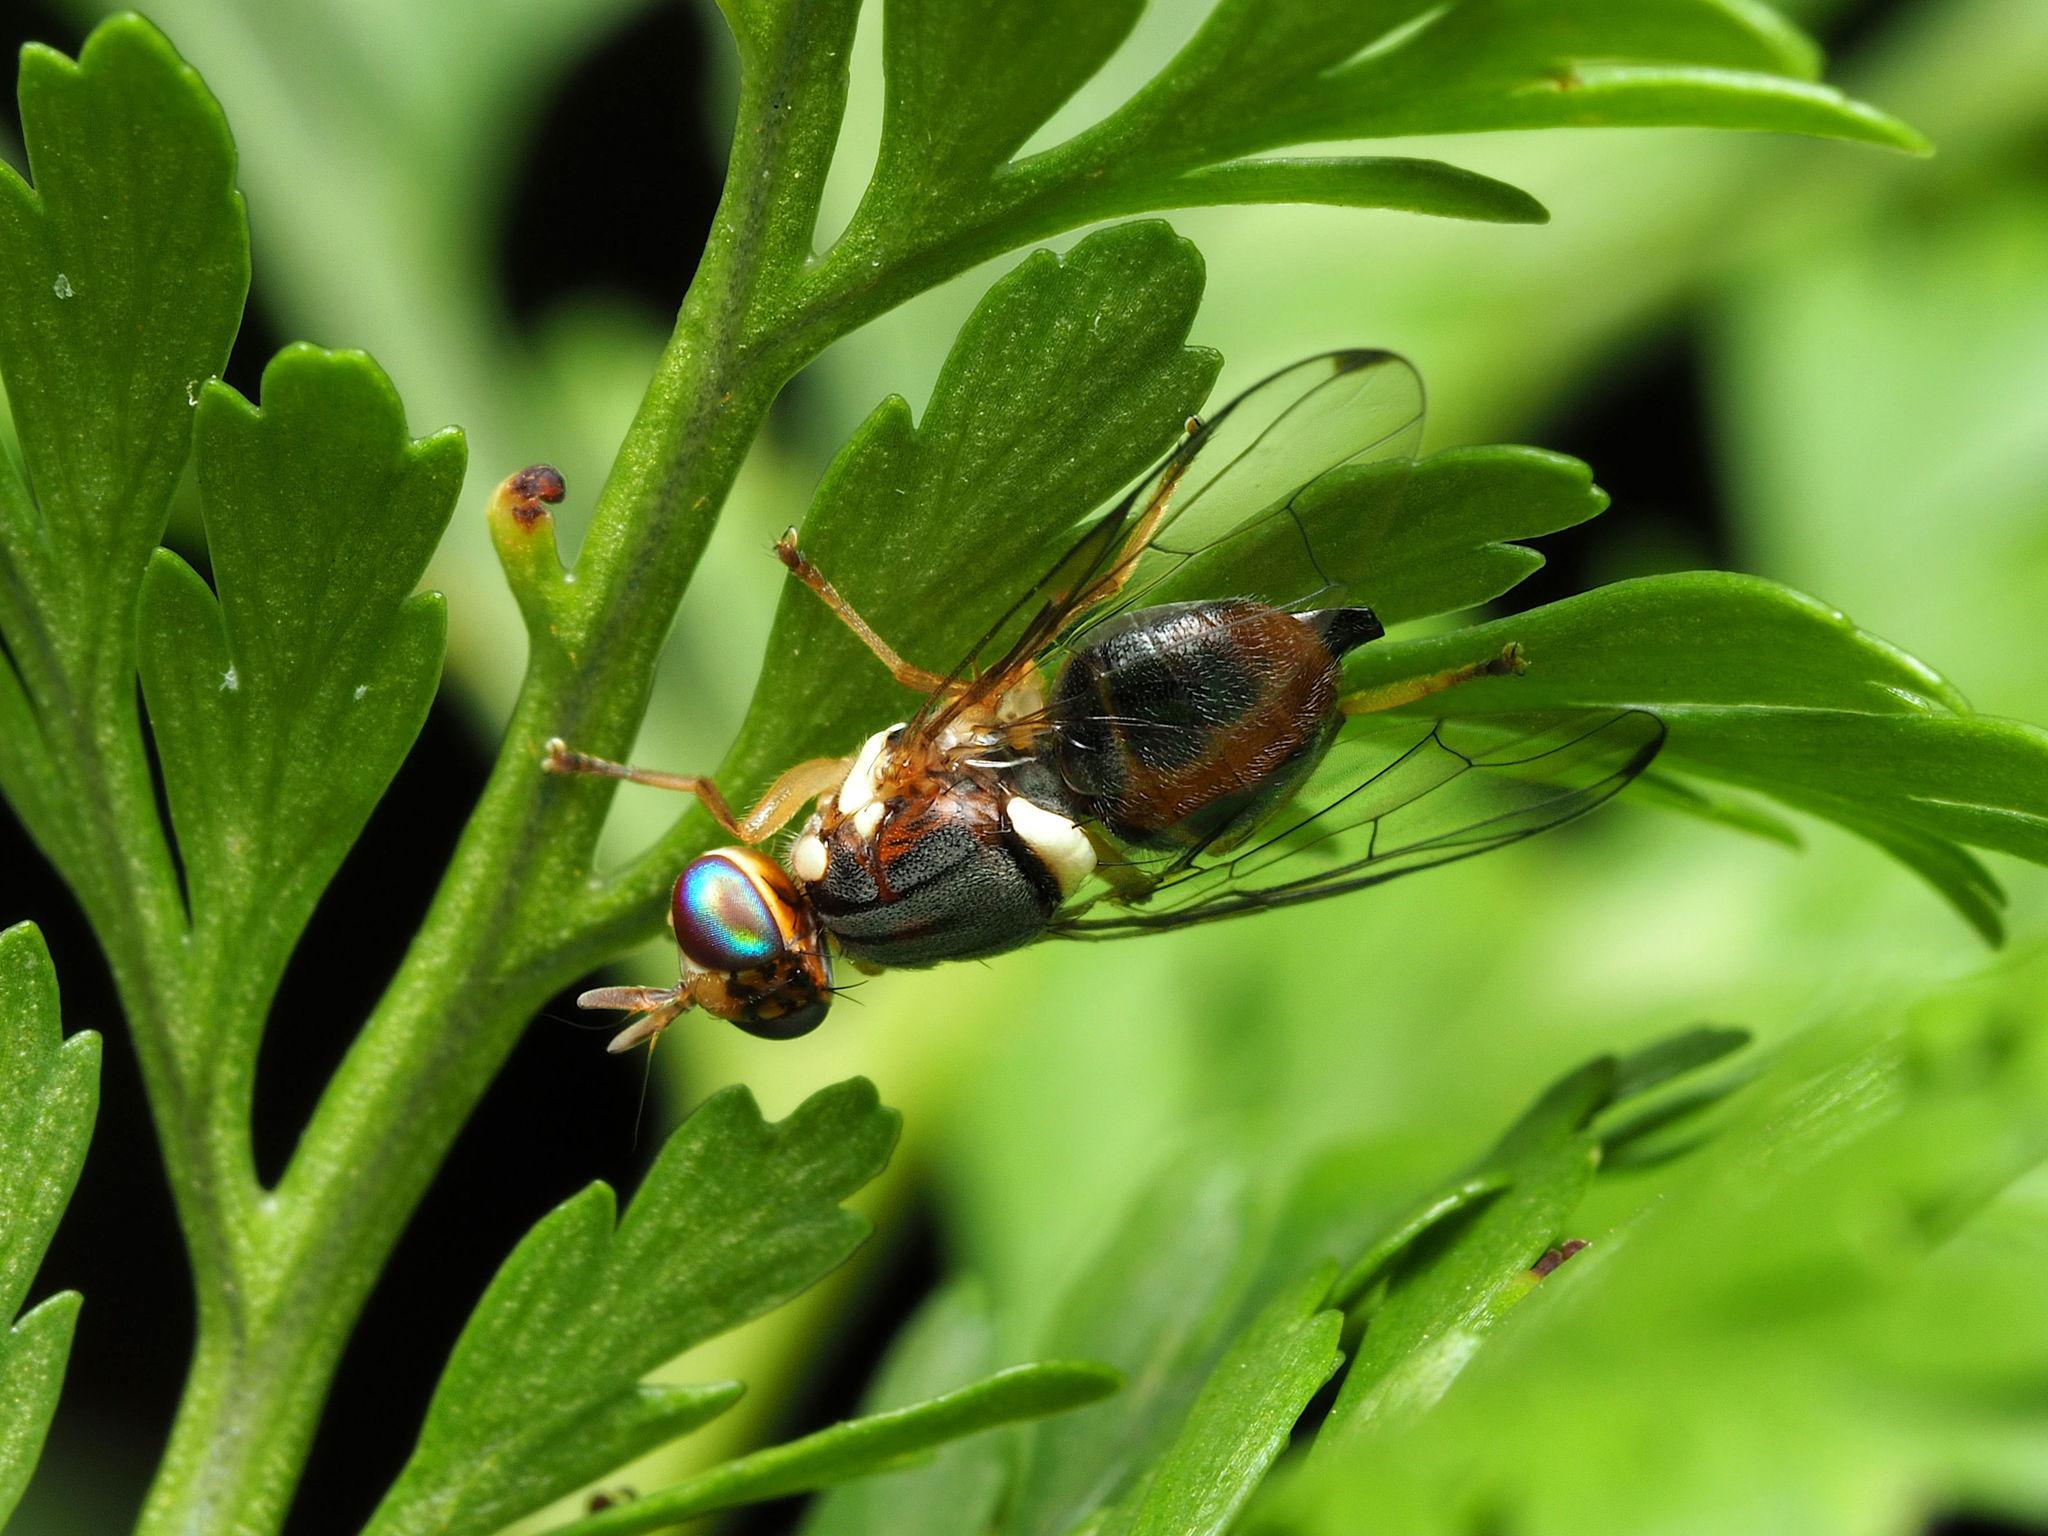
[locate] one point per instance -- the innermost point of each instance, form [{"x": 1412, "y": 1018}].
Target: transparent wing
[
  {"x": 1272, "y": 477},
  {"x": 1394, "y": 796},
  {"x": 1222, "y": 514}
]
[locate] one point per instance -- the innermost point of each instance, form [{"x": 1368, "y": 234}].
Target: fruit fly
[{"x": 1156, "y": 735}]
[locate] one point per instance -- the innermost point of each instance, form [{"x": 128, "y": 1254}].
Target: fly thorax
[{"x": 945, "y": 873}]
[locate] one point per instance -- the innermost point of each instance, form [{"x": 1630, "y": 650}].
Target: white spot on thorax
[
  {"x": 230, "y": 681},
  {"x": 857, "y": 790},
  {"x": 62, "y": 287},
  {"x": 867, "y": 821},
  {"x": 1064, "y": 846},
  {"x": 807, "y": 858}
]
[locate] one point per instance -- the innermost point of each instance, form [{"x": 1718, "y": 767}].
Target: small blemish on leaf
[
  {"x": 362, "y": 691},
  {"x": 62, "y": 287},
  {"x": 192, "y": 392},
  {"x": 1556, "y": 1256},
  {"x": 527, "y": 490},
  {"x": 230, "y": 680}
]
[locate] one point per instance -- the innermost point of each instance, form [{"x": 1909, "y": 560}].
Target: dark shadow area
[
  {"x": 1643, "y": 428},
  {"x": 35, "y": 21},
  {"x": 360, "y": 930},
  {"x": 256, "y": 344},
  {"x": 1847, "y": 27},
  {"x": 623, "y": 165}
]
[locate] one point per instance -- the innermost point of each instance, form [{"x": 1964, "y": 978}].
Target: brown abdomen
[{"x": 1185, "y": 725}]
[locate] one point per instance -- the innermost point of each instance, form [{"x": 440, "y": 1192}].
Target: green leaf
[
  {"x": 49, "y": 1094},
  {"x": 968, "y": 81},
  {"x": 1825, "y": 1315},
  {"x": 121, "y": 281},
  {"x": 1594, "y": 95},
  {"x": 1241, "y": 1421},
  {"x": 1453, "y": 1286},
  {"x": 1955, "y": 872},
  {"x": 283, "y": 708},
  {"x": 1773, "y": 692},
  {"x": 1259, "y": 74},
  {"x": 1674, "y": 1056},
  {"x": 1739, "y": 812},
  {"x": 33, "y": 1354},
  {"x": 1835, "y": 477},
  {"x": 1067, "y": 381},
  {"x": 860, "y": 1447},
  {"x": 1666, "y": 1128},
  {"x": 1455, "y": 1270},
  {"x": 1357, "y": 181},
  {"x": 1151, "y": 1305},
  {"x": 1462, "y": 1195},
  {"x": 1409, "y": 540},
  {"x": 122, "y": 275},
  {"x": 542, "y": 1393},
  {"x": 1667, "y": 1125},
  {"x": 950, "y": 1342}
]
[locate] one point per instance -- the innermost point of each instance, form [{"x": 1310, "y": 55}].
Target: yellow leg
[
  {"x": 794, "y": 789},
  {"x": 907, "y": 673},
  {"x": 1370, "y": 701}
]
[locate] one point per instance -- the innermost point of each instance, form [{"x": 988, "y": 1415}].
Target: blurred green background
[{"x": 1820, "y": 364}]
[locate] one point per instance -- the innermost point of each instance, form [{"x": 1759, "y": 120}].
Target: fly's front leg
[
  {"x": 658, "y": 1008},
  {"x": 559, "y": 757},
  {"x": 907, "y": 673},
  {"x": 1370, "y": 701},
  {"x": 792, "y": 790},
  {"x": 771, "y": 813}
]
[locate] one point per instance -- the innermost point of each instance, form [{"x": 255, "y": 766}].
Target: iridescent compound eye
[
  {"x": 733, "y": 909},
  {"x": 752, "y": 953}
]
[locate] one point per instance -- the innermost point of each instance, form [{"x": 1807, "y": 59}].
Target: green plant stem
[{"x": 496, "y": 941}]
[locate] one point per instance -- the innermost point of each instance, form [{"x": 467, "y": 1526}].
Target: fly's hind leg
[
  {"x": 796, "y": 787},
  {"x": 1370, "y": 701},
  {"x": 907, "y": 673}
]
